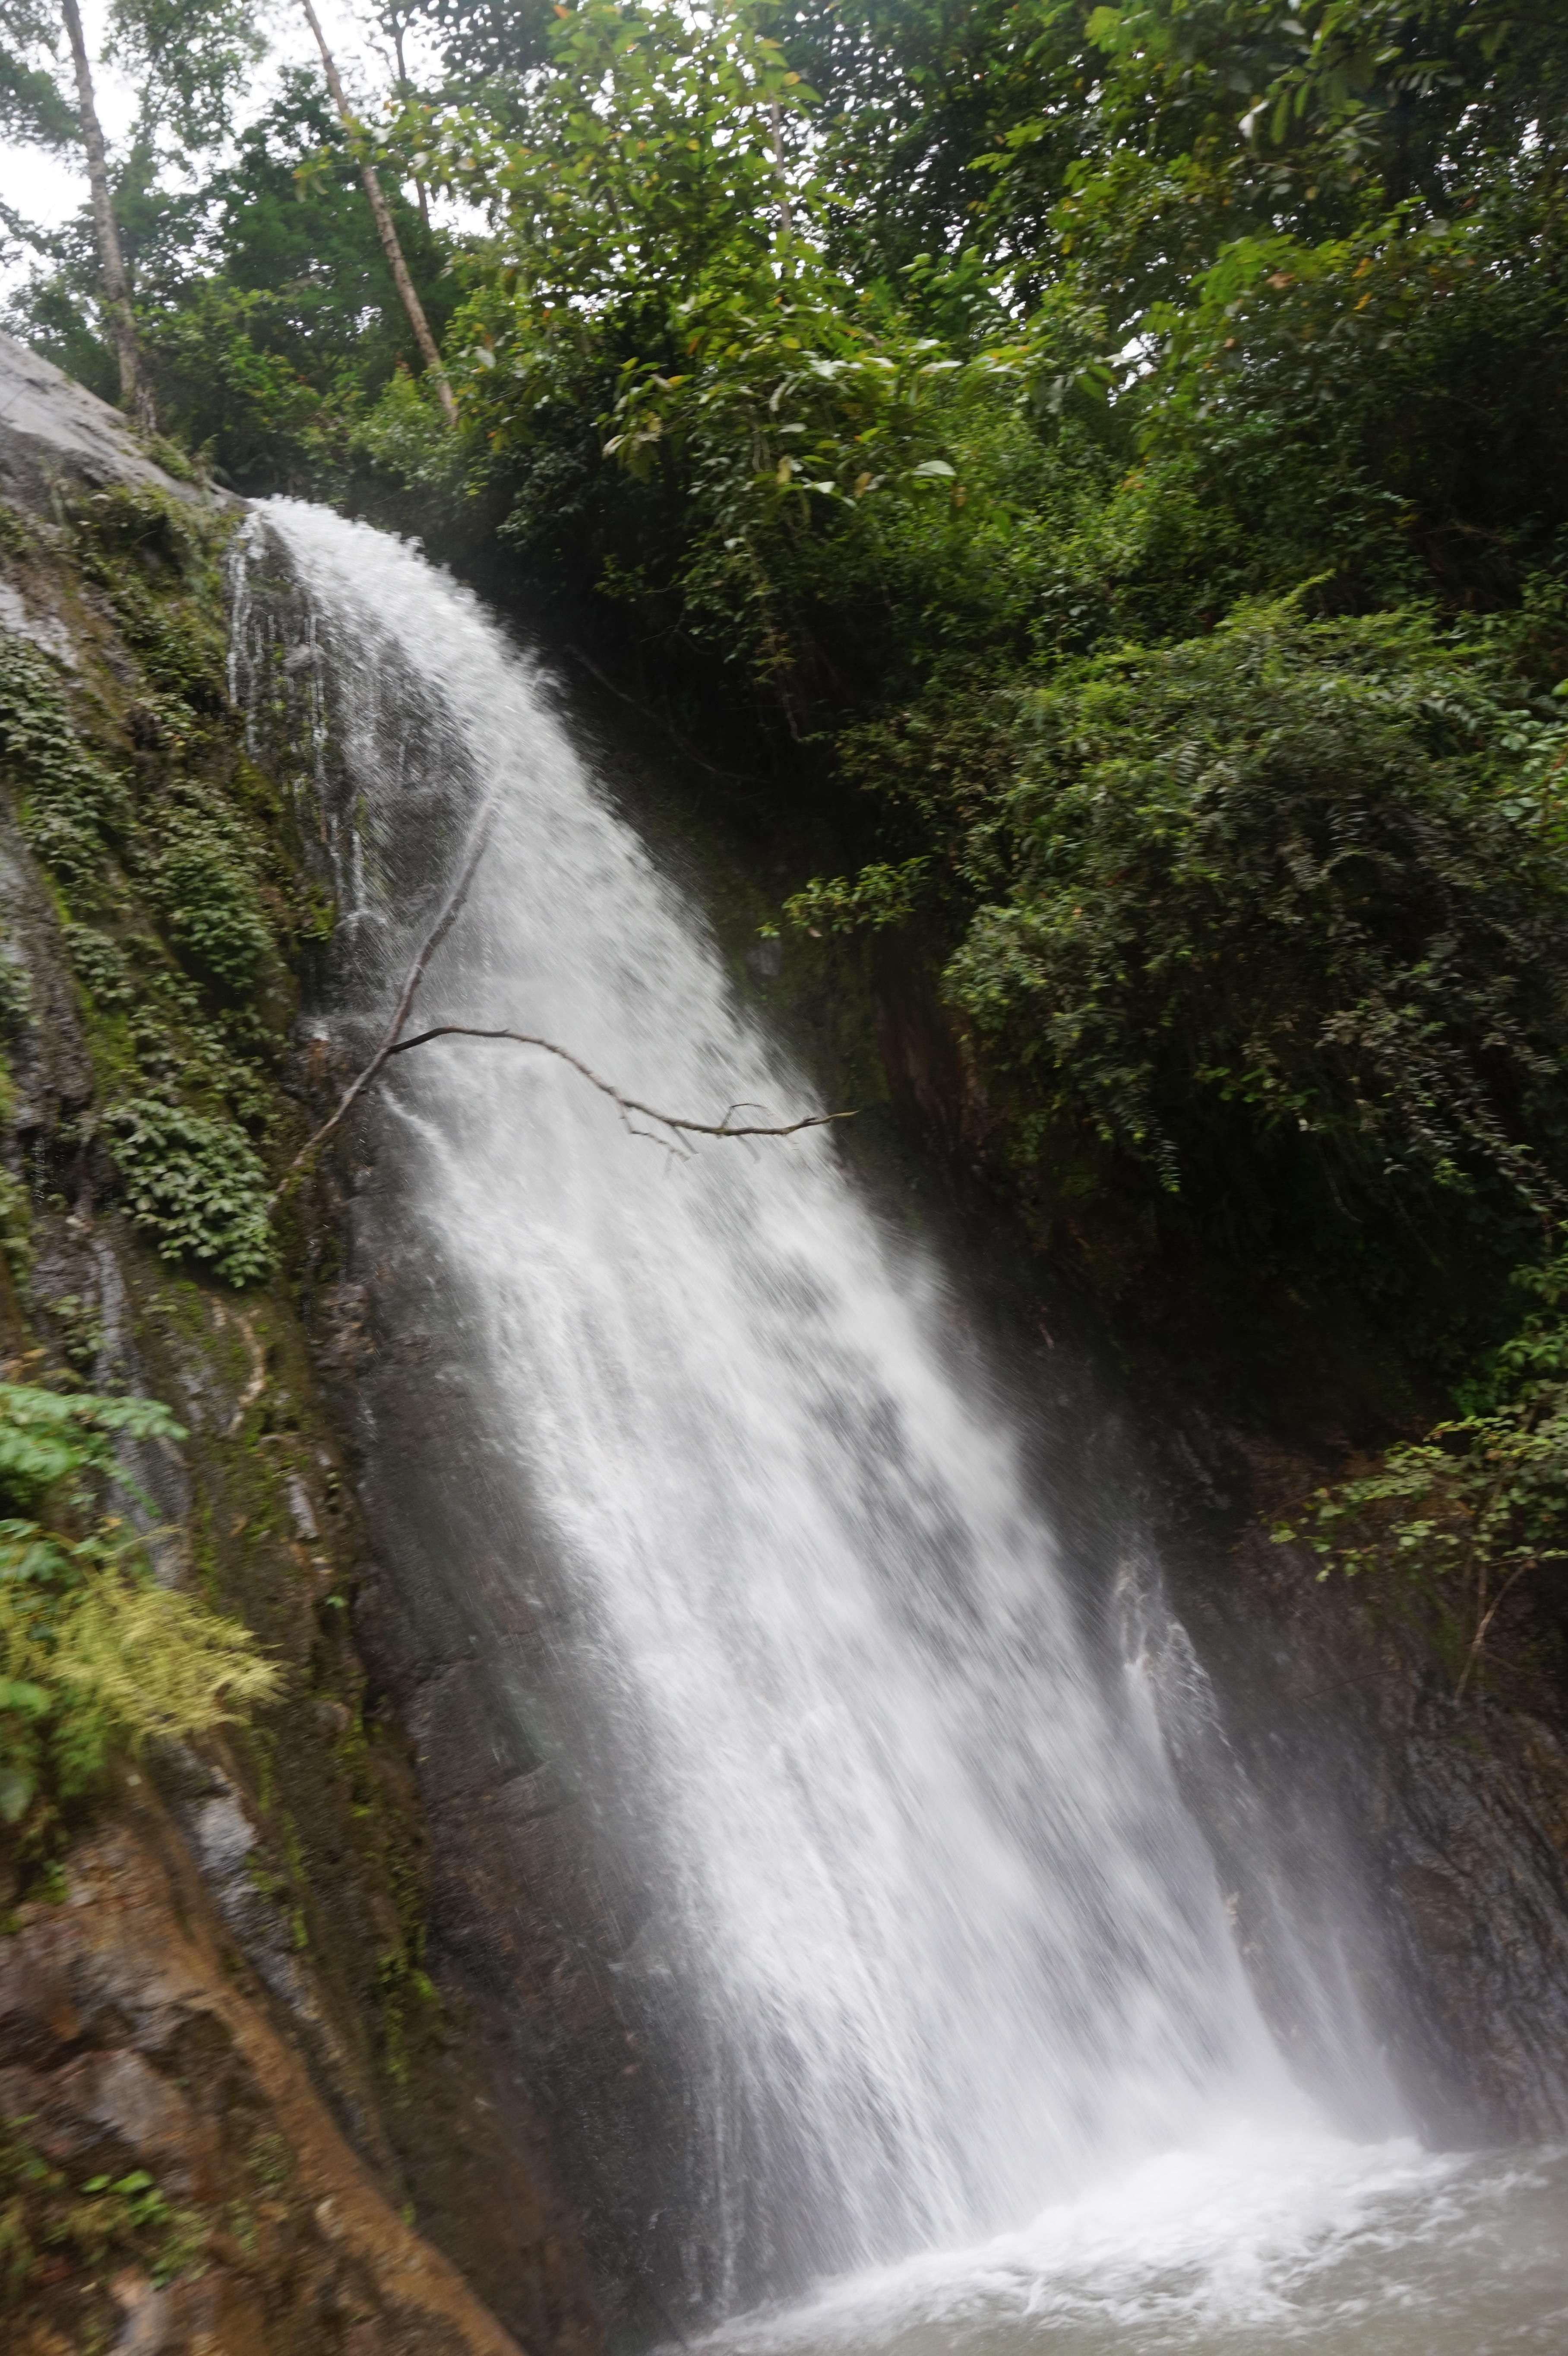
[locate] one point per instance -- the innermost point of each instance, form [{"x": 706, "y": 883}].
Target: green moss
[
  {"x": 270, "y": 2161},
  {"x": 16, "y": 1227},
  {"x": 186, "y": 1068}
]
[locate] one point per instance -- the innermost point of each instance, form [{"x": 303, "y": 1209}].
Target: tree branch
[
  {"x": 1473, "y": 1654},
  {"x": 392, "y": 1043},
  {"x": 386, "y": 228},
  {"x": 724, "y": 1128},
  {"x": 427, "y": 949}
]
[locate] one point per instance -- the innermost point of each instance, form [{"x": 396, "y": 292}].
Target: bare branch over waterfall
[
  {"x": 392, "y": 1043},
  {"x": 725, "y": 1128}
]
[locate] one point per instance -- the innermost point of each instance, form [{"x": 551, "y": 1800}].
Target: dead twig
[
  {"x": 427, "y": 949},
  {"x": 625, "y": 1104},
  {"x": 1473, "y": 1654},
  {"x": 258, "y": 1382},
  {"x": 393, "y": 1044}
]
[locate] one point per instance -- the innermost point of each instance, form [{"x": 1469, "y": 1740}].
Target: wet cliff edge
[{"x": 237, "y": 2112}]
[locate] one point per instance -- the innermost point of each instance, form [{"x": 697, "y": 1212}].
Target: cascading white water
[{"x": 954, "y": 1945}]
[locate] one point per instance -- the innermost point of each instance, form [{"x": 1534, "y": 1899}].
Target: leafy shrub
[
  {"x": 71, "y": 799},
  {"x": 1294, "y": 892},
  {"x": 879, "y": 896},
  {"x": 194, "y": 1185},
  {"x": 47, "y": 1437},
  {"x": 92, "y": 1650},
  {"x": 111, "y": 1656},
  {"x": 1478, "y": 1503},
  {"x": 101, "y": 966},
  {"x": 203, "y": 886}
]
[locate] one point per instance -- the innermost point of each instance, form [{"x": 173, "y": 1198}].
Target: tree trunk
[
  {"x": 403, "y": 86},
  {"x": 786, "y": 216},
  {"x": 135, "y": 394},
  {"x": 387, "y": 232}
]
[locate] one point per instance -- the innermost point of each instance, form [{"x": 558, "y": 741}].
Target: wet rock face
[
  {"x": 156, "y": 2118},
  {"x": 56, "y": 430},
  {"x": 1421, "y": 1840},
  {"x": 227, "y": 2087},
  {"x": 538, "y": 1924}
]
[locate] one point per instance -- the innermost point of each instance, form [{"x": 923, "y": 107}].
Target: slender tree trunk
[
  {"x": 402, "y": 93},
  {"x": 387, "y": 233},
  {"x": 135, "y": 394},
  {"x": 786, "y": 216}
]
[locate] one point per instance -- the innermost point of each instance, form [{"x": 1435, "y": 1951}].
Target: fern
[{"x": 93, "y": 1652}]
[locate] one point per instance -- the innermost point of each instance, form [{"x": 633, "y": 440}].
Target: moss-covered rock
[{"x": 243, "y": 2096}]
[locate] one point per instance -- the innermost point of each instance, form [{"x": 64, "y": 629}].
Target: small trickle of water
[{"x": 955, "y": 1949}]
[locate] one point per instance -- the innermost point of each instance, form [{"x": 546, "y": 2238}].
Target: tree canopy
[{"x": 1113, "y": 460}]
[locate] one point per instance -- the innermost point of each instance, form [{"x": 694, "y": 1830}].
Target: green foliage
[
  {"x": 1260, "y": 937},
  {"x": 188, "y": 63},
  {"x": 135, "y": 520},
  {"x": 194, "y": 1185},
  {"x": 147, "y": 551},
  {"x": 15, "y": 1227},
  {"x": 101, "y": 966},
  {"x": 182, "y": 1053},
  {"x": 100, "y": 1655},
  {"x": 1481, "y": 1501},
  {"x": 33, "y": 104},
  {"x": 270, "y": 361},
  {"x": 48, "y": 1437},
  {"x": 182, "y": 657},
  {"x": 105, "y": 2220},
  {"x": 1382, "y": 408},
  {"x": 879, "y": 896},
  {"x": 1282, "y": 871},
  {"x": 205, "y": 886},
  {"x": 71, "y": 802},
  {"x": 93, "y": 1652},
  {"x": 487, "y": 50}
]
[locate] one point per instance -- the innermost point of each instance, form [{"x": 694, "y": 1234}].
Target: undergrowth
[
  {"x": 95, "y": 1652},
  {"x": 47, "y": 2214},
  {"x": 1476, "y": 1509},
  {"x": 1257, "y": 943},
  {"x": 167, "y": 888}
]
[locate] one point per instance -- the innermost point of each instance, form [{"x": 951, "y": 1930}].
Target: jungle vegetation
[{"x": 1107, "y": 467}]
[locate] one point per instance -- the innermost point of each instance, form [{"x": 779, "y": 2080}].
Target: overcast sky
[{"x": 49, "y": 188}]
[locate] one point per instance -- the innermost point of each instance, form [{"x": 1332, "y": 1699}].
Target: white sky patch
[{"x": 48, "y": 188}]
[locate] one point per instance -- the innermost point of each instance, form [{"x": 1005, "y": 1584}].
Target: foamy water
[{"x": 1314, "y": 2245}]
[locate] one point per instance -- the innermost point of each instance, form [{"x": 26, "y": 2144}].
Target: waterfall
[{"x": 951, "y": 1947}]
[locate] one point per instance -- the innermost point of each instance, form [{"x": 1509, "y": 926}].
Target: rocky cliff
[
  {"x": 1391, "y": 1845},
  {"x": 239, "y": 2114}
]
